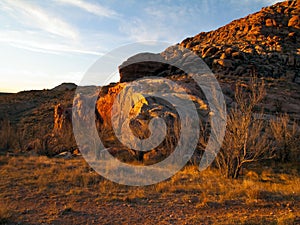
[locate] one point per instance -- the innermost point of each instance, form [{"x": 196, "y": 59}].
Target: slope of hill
[
  {"x": 266, "y": 43},
  {"x": 28, "y": 115}
]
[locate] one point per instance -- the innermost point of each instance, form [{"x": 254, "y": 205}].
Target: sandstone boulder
[
  {"x": 270, "y": 22},
  {"x": 294, "y": 22},
  {"x": 145, "y": 65}
]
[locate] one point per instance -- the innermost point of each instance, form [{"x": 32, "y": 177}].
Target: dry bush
[
  {"x": 245, "y": 140},
  {"x": 5, "y": 133},
  {"x": 288, "y": 219},
  {"x": 286, "y": 135},
  {"x": 5, "y": 213},
  {"x": 53, "y": 143},
  {"x": 11, "y": 138}
]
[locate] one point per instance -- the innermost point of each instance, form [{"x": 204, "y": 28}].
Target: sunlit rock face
[{"x": 266, "y": 44}]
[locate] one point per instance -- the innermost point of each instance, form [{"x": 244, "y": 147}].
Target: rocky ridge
[{"x": 266, "y": 44}]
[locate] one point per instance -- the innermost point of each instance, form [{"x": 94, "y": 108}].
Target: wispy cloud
[
  {"x": 35, "y": 17},
  {"x": 38, "y": 29},
  {"x": 39, "y": 42},
  {"x": 95, "y": 9}
]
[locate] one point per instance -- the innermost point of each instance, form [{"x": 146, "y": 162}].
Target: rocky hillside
[{"x": 266, "y": 43}]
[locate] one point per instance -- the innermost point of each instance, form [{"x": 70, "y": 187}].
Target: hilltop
[{"x": 266, "y": 43}]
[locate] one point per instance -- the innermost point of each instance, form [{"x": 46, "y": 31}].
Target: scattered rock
[
  {"x": 297, "y": 80},
  {"x": 209, "y": 52},
  {"x": 64, "y": 155},
  {"x": 249, "y": 41},
  {"x": 227, "y": 63},
  {"x": 270, "y": 22}
]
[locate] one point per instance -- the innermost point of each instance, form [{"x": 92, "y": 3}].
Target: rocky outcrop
[
  {"x": 60, "y": 138},
  {"x": 126, "y": 108},
  {"x": 62, "y": 118},
  {"x": 265, "y": 44}
]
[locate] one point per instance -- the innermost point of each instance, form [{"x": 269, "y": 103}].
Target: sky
[{"x": 46, "y": 43}]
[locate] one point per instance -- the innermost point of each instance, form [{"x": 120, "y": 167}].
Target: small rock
[
  {"x": 270, "y": 22},
  {"x": 294, "y": 22},
  {"x": 297, "y": 80},
  {"x": 227, "y": 63},
  {"x": 237, "y": 55},
  {"x": 64, "y": 155},
  {"x": 211, "y": 51}
]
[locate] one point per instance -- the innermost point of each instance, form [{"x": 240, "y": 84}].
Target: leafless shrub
[
  {"x": 5, "y": 213},
  {"x": 5, "y": 134},
  {"x": 245, "y": 140},
  {"x": 286, "y": 135}
]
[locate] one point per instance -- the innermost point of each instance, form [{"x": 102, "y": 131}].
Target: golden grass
[
  {"x": 5, "y": 213},
  {"x": 74, "y": 179}
]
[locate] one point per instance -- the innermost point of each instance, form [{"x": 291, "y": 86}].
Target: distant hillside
[
  {"x": 65, "y": 87},
  {"x": 30, "y": 113}
]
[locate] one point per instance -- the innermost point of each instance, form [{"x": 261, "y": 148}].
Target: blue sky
[{"x": 45, "y": 43}]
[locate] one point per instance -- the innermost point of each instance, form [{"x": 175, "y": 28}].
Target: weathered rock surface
[{"x": 146, "y": 65}]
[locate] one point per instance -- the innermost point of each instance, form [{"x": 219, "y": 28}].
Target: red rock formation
[
  {"x": 62, "y": 118},
  {"x": 106, "y": 100}
]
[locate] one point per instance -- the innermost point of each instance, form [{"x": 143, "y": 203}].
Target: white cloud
[
  {"x": 35, "y": 17},
  {"x": 38, "y": 29},
  {"x": 95, "y": 9}
]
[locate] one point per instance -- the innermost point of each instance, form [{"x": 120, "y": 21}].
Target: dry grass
[
  {"x": 60, "y": 187},
  {"x": 5, "y": 213}
]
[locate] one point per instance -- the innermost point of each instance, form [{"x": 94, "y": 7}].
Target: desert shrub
[
  {"x": 286, "y": 136},
  {"x": 10, "y": 137},
  {"x": 5, "y": 132},
  {"x": 5, "y": 213},
  {"x": 245, "y": 139}
]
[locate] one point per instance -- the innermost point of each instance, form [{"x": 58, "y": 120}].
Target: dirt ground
[{"x": 40, "y": 190}]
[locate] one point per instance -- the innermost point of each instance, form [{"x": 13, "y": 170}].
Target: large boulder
[
  {"x": 145, "y": 65},
  {"x": 130, "y": 108}
]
